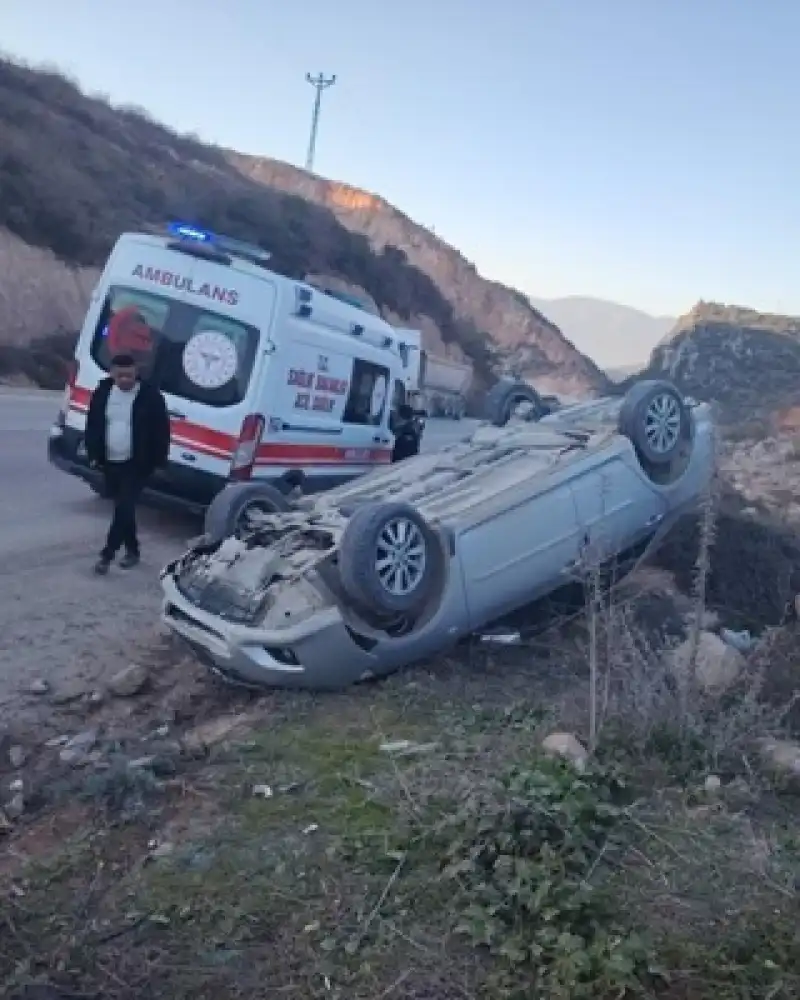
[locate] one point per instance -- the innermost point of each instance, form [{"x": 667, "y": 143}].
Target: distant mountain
[{"x": 612, "y": 335}]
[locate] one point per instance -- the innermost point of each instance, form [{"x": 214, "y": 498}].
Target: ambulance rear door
[{"x": 196, "y": 327}]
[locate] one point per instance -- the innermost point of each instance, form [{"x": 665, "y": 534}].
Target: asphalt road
[{"x": 58, "y": 621}]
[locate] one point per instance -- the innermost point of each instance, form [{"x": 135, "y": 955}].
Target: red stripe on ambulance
[{"x": 217, "y": 444}]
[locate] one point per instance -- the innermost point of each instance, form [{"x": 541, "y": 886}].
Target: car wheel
[
  {"x": 229, "y": 513},
  {"x": 502, "y": 399},
  {"x": 656, "y": 420},
  {"x": 388, "y": 558}
]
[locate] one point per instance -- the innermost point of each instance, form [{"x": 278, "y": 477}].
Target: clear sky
[{"x": 644, "y": 151}]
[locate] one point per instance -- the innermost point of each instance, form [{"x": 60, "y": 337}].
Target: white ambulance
[{"x": 265, "y": 377}]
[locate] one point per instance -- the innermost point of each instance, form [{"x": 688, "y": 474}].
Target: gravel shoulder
[{"x": 58, "y": 622}]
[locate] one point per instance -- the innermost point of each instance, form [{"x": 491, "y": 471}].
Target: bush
[{"x": 521, "y": 871}]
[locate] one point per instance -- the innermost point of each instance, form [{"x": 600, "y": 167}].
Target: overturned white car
[{"x": 402, "y": 563}]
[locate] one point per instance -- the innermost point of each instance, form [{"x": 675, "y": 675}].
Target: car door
[
  {"x": 519, "y": 554},
  {"x": 617, "y": 506}
]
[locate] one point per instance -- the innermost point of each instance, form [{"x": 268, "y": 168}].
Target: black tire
[
  {"x": 656, "y": 420},
  {"x": 503, "y": 397},
  {"x": 364, "y": 537},
  {"x": 226, "y": 513}
]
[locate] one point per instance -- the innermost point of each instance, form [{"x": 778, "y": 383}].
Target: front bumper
[{"x": 319, "y": 654}]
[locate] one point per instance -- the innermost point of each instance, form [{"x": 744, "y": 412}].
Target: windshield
[{"x": 183, "y": 350}]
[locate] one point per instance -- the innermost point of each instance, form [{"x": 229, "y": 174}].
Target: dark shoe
[
  {"x": 102, "y": 566},
  {"x": 129, "y": 560}
]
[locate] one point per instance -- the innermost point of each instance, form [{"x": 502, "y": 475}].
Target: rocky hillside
[
  {"x": 748, "y": 362},
  {"x": 74, "y": 173},
  {"x": 520, "y": 335}
]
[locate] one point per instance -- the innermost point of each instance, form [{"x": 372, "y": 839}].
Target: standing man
[{"x": 127, "y": 436}]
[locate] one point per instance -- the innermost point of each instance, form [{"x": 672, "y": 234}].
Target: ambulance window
[
  {"x": 369, "y": 391},
  {"x": 185, "y": 350},
  {"x": 130, "y": 323}
]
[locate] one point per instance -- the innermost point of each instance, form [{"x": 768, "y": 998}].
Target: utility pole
[{"x": 319, "y": 83}]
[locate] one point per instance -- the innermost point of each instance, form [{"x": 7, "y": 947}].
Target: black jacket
[{"x": 150, "y": 430}]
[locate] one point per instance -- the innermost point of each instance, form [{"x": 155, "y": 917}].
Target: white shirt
[{"x": 119, "y": 424}]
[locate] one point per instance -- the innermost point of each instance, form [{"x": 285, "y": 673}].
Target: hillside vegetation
[{"x": 75, "y": 172}]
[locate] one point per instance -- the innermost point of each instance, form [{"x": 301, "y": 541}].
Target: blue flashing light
[
  {"x": 185, "y": 231},
  {"x": 225, "y": 244}
]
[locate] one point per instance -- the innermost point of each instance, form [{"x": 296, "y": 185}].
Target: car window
[
  {"x": 189, "y": 352},
  {"x": 366, "y": 401}
]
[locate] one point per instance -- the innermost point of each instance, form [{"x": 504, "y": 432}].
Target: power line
[{"x": 319, "y": 83}]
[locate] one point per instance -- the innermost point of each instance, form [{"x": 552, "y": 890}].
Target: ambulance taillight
[
  {"x": 244, "y": 456},
  {"x": 72, "y": 378}
]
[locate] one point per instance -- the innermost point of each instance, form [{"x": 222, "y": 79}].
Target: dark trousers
[
  {"x": 123, "y": 486},
  {"x": 406, "y": 445}
]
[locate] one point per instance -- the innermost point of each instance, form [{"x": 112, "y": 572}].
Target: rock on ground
[
  {"x": 567, "y": 747},
  {"x": 717, "y": 666},
  {"x": 129, "y": 681},
  {"x": 782, "y": 758},
  {"x": 213, "y": 731}
]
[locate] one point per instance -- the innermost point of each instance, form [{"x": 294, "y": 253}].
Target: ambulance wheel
[
  {"x": 232, "y": 510},
  {"x": 390, "y": 560}
]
